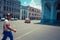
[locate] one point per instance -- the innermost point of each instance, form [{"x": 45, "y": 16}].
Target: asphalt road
[{"x": 33, "y": 31}]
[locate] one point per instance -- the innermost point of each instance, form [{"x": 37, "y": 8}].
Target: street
[{"x": 32, "y": 31}]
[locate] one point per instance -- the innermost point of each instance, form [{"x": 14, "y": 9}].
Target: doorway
[{"x": 58, "y": 11}]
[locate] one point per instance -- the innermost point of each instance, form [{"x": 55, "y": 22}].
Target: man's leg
[
  {"x": 11, "y": 36},
  {"x": 4, "y": 37}
]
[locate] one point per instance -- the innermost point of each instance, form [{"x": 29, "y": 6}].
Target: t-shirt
[{"x": 6, "y": 22}]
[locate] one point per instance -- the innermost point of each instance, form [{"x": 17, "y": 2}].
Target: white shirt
[{"x": 6, "y": 22}]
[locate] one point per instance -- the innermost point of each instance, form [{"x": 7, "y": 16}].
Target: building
[
  {"x": 23, "y": 12},
  {"x": 10, "y": 6},
  {"x": 34, "y": 13},
  {"x": 29, "y": 12},
  {"x": 50, "y": 11}
]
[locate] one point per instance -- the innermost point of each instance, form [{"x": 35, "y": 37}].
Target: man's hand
[{"x": 14, "y": 30}]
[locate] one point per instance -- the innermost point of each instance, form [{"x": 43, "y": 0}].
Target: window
[
  {"x": 58, "y": 6},
  {"x": 12, "y": 9},
  {"x": 0, "y": 7},
  {"x": 8, "y": 2},
  {"x": 29, "y": 13},
  {"x": 4, "y": 8},
  {"x": 0, "y": 2},
  {"x": 35, "y": 14},
  {"x": 32, "y": 14},
  {"x": 48, "y": 5},
  {"x": 9, "y": 8},
  {"x": 32, "y": 9},
  {"x": 35, "y": 10},
  {"x": 24, "y": 11},
  {"x": 4, "y": 1}
]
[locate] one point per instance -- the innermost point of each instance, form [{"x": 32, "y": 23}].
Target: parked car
[
  {"x": 2, "y": 19},
  {"x": 12, "y": 19},
  {"x": 27, "y": 20},
  {"x": 15, "y": 18}
]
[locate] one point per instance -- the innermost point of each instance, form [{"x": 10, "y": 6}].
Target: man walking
[{"x": 7, "y": 28}]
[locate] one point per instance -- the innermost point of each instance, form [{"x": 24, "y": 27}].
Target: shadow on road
[{"x": 51, "y": 24}]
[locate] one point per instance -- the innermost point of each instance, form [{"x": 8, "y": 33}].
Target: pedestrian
[{"x": 7, "y": 28}]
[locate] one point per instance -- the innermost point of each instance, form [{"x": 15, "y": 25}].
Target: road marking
[{"x": 24, "y": 35}]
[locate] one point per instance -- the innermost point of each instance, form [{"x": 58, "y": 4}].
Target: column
[
  {"x": 52, "y": 8},
  {"x": 27, "y": 13},
  {"x": 43, "y": 9},
  {"x": 20, "y": 14}
]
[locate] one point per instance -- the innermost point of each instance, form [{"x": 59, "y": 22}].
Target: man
[{"x": 7, "y": 29}]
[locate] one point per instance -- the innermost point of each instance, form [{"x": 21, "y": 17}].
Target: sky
[{"x": 32, "y": 3}]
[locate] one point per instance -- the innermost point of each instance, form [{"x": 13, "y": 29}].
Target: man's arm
[{"x": 9, "y": 27}]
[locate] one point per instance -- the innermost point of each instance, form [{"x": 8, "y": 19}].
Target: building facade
[
  {"x": 50, "y": 11},
  {"x": 23, "y": 12},
  {"x": 10, "y": 6},
  {"x": 29, "y": 12},
  {"x": 34, "y": 13}
]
